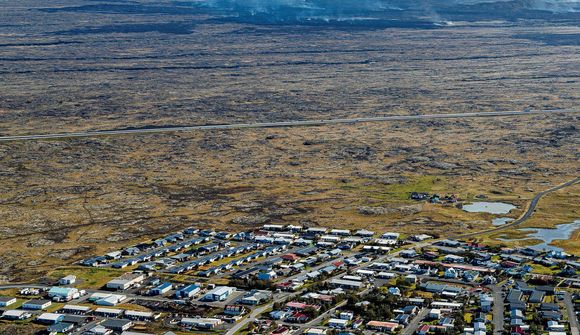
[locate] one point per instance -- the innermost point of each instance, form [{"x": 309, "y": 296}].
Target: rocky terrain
[{"x": 62, "y": 200}]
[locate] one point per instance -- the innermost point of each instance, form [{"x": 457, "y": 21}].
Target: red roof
[
  {"x": 382, "y": 325},
  {"x": 338, "y": 263},
  {"x": 424, "y": 329},
  {"x": 290, "y": 257}
]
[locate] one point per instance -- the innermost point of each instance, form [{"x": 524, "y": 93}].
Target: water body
[
  {"x": 489, "y": 207},
  {"x": 500, "y": 221},
  {"x": 561, "y": 232}
]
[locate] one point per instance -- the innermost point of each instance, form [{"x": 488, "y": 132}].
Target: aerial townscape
[
  {"x": 289, "y": 167},
  {"x": 290, "y": 279}
]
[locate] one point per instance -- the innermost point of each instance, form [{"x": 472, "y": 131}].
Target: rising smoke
[{"x": 366, "y": 8}]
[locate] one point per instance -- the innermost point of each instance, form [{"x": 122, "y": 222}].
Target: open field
[{"x": 62, "y": 200}]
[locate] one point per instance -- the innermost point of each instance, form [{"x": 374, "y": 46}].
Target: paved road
[
  {"x": 529, "y": 212},
  {"x": 498, "y": 310},
  {"x": 414, "y": 324},
  {"x": 304, "y": 123},
  {"x": 574, "y": 326}
]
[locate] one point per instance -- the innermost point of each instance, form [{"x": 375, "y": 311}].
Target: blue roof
[
  {"x": 189, "y": 288},
  {"x": 163, "y": 286}
]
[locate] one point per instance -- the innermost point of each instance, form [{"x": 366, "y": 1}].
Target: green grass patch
[{"x": 88, "y": 277}]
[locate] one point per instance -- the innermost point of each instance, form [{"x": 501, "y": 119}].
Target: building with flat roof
[
  {"x": 125, "y": 281},
  {"x": 49, "y": 318},
  {"x": 7, "y": 301},
  {"x": 63, "y": 293},
  {"x": 201, "y": 323},
  {"x": 75, "y": 309},
  {"x": 117, "y": 324},
  {"x": 16, "y": 314},
  {"x": 347, "y": 284},
  {"x": 68, "y": 280},
  {"x": 219, "y": 293},
  {"x": 36, "y": 304}
]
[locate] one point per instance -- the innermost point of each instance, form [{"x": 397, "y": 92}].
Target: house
[
  {"x": 423, "y": 330},
  {"x": 346, "y": 315},
  {"x": 278, "y": 315},
  {"x": 36, "y": 304},
  {"x": 347, "y": 284},
  {"x": 449, "y": 243},
  {"x": 267, "y": 275},
  {"x": 434, "y": 314},
  {"x": 470, "y": 276},
  {"x": 297, "y": 317},
  {"x": 219, "y": 293},
  {"x": 315, "y": 331},
  {"x": 402, "y": 319},
  {"x": 364, "y": 233},
  {"x": 68, "y": 280},
  {"x": 49, "y": 318},
  {"x": 14, "y": 314},
  {"x": 536, "y": 297},
  {"x": 234, "y": 310},
  {"x": 549, "y": 307},
  {"x": 340, "y": 232},
  {"x": 421, "y": 237},
  {"x": 382, "y": 326},
  {"x": 7, "y": 301},
  {"x": 63, "y": 293},
  {"x": 409, "y": 253},
  {"x": 126, "y": 281},
  {"x": 386, "y": 275},
  {"x": 446, "y": 322},
  {"x": 188, "y": 291},
  {"x": 446, "y": 305},
  {"x": 453, "y": 259},
  {"x": 411, "y": 279},
  {"x": 299, "y": 306},
  {"x": 395, "y": 291},
  {"x": 411, "y": 309},
  {"x": 117, "y": 325},
  {"x": 390, "y": 236},
  {"x": 451, "y": 273},
  {"x": 514, "y": 296},
  {"x": 337, "y": 323}
]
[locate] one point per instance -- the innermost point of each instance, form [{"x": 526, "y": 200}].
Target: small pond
[
  {"x": 561, "y": 232},
  {"x": 500, "y": 221},
  {"x": 489, "y": 207}
]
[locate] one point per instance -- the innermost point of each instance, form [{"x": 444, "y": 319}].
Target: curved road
[
  {"x": 283, "y": 124},
  {"x": 528, "y": 213}
]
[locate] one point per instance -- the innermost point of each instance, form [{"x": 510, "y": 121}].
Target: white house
[
  {"x": 68, "y": 280},
  {"x": 337, "y": 323}
]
